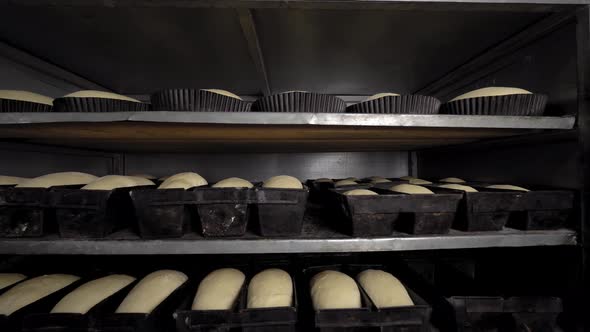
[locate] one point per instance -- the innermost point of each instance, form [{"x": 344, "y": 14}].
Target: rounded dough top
[
  {"x": 99, "y": 94},
  {"x": 32, "y": 290},
  {"x": 418, "y": 181},
  {"x": 360, "y": 192},
  {"x": 382, "y": 94},
  {"x": 407, "y": 177},
  {"x": 183, "y": 180},
  {"x": 459, "y": 187},
  {"x": 283, "y": 181},
  {"x": 233, "y": 183},
  {"x": 11, "y": 180},
  {"x": 85, "y": 297},
  {"x": 270, "y": 288},
  {"x": 507, "y": 187},
  {"x": 223, "y": 93},
  {"x": 58, "y": 179},
  {"x": 334, "y": 290},
  {"x": 9, "y": 279},
  {"x": 384, "y": 289},
  {"x": 26, "y": 96},
  {"x": 110, "y": 182},
  {"x": 492, "y": 91},
  {"x": 219, "y": 290},
  {"x": 345, "y": 183},
  {"x": 380, "y": 181},
  {"x": 411, "y": 189},
  {"x": 154, "y": 288},
  {"x": 452, "y": 180}
]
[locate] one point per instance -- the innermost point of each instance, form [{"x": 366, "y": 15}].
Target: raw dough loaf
[
  {"x": 58, "y": 179},
  {"x": 452, "y": 180},
  {"x": 507, "y": 187},
  {"x": 459, "y": 187},
  {"x": 152, "y": 290},
  {"x": 418, "y": 181},
  {"x": 345, "y": 183},
  {"x": 219, "y": 290},
  {"x": 99, "y": 94},
  {"x": 9, "y": 279},
  {"x": 233, "y": 183},
  {"x": 360, "y": 192},
  {"x": 85, "y": 297},
  {"x": 492, "y": 91},
  {"x": 334, "y": 290},
  {"x": 269, "y": 289},
  {"x": 223, "y": 93},
  {"x": 380, "y": 181},
  {"x": 26, "y": 96},
  {"x": 283, "y": 181},
  {"x": 11, "y": 180},
  {"x": 183, "y": 180},
  {"x": 410, "y": 189},
  {"x": 32, "y": 290},
  {"x": 407, "y": 177},
  {"x": 352, "y": 178},
  {"x": 384, "y": 289},
  {"x": 381, "y": 95},
  {"x": 110, "y": 182}
]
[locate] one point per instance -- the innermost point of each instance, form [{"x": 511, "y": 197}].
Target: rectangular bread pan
[
  {"x": 280, "y": 212},
  {"x": 24, "y": 212}
]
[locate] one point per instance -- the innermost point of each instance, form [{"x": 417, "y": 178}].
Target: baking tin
[
  {"x": 405, "y": 104},
  {"x": 299, "y": 102},
  {"x": 92, "y": 213},
  {"x": 519, "y": 104},
  {"x": 74, "y": 104},
  {"x": 163, "y": 213},
  {"x": 223, "y": 211},
  {"x": 280, "y": 212},
  {"x": 160, "y": 319},
  {"x": 24, "y": 212},
  {"x": 19, "y": 106},
  {"x": 195, "y": 100}
]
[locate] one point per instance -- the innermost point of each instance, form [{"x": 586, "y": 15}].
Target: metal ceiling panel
[
  {"x": 363, "y": 52},
  {"x": 137, "y": 50}
]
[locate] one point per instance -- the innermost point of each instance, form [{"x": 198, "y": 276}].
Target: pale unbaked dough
[
  {"x": 11, "y": 180},
  {"x": 418, "y": 181},
  {"x": 360, "y": 192},
  {"x": 183, "y": 180},
  {"x": 452, "y": 180},
  {"x": 233, "y": 183},
  {"x": 32, "y": 290},
  {"x": 58, "y": 179},
  {"x": 410, "y": 189},
  {"x": 223, "y": 93},
  {"x": 352, "y": 178},
  {"x": 492, "y": 91},
  {"x": 283, "y": 181},
  {"x": 152, "y": 290},
  {"x": 85, "y": 297},
  {"x": 380, "y": 181},
  {"x": 459, "y": 187},
  {"x": 99, "y": 94},
  {"x": 9, "y": 279},
  {"x": 26, "y": 96},
  {"x": 345, "y": 183},
  {"x": 219, "y": 290},
  {"x": 381, "y": 95},
  {"x": 384, "y": 289},
  {"x": 407, "y": 177},
  {"x": 110, "y": 182},
  {"x": 507, "y": 187},
  {"x": 269, "y": 289},
  {"x": 334, "y": 290}
]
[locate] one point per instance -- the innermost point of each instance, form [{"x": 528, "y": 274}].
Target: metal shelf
[
  {"x": 190, "y": 131},
  {"x": 125, "y": 243}
]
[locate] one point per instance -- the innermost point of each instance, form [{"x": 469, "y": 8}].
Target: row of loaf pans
[
  {"x": 195, "y": 100},
  {"x": 485, "y": 210},
  {"x": 154, "y": 213},
  {"x": 476, "y": 311}
]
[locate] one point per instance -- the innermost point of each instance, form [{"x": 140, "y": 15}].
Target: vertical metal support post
[{"x": 583, "y": 56}]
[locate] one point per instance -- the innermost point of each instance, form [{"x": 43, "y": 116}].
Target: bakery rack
[{"x": 349, "y": 48}]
